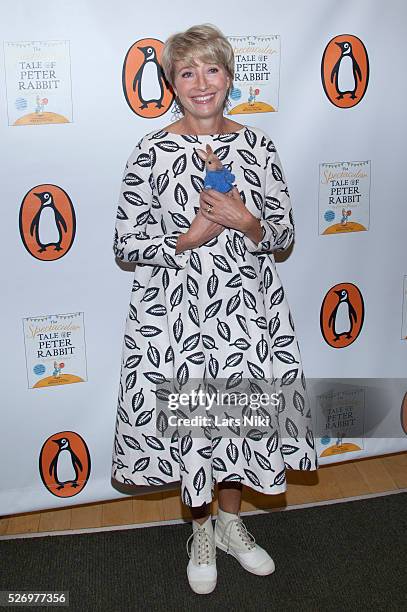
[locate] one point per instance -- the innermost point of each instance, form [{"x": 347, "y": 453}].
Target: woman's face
[{"x": 201, "y": 88}]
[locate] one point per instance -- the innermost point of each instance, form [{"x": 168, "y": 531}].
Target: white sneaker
[
  {"x": 201, "y": 571},
  {"x": 231, "y": 536}
]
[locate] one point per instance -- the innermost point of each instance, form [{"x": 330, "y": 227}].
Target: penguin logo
[
  {"x": 342, "y": 315},
  {"x": 145, "y": 87},
  {"x": 345, "y": 70},
  {"x": 47, "y": 222},
  {"x": 64, "y": 464}
]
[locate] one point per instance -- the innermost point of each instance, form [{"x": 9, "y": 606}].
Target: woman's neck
[{"x": 212, "y": 125}]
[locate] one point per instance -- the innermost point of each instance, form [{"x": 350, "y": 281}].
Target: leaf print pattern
[{"x": 217, "y": 313}]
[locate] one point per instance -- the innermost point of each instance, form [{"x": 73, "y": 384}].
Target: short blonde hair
[{"x": 205, "y": 42}]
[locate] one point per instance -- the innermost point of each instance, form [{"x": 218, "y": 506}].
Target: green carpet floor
[{"x": 343, "y": 556}]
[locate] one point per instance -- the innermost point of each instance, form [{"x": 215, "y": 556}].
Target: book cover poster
[
  {"x": 257, "y": 74},
  {"x": 340, "y": 421},
  {"x": 404, "y": 311},
  {"x": 344, "y": 197},
  {"x": 55, "y": 349},
  {"x": 38, "y": 82}
]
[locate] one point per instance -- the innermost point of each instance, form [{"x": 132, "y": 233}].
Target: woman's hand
[
  {"x": 201, "y": 230},
  {"x": 228, "y": 209}
]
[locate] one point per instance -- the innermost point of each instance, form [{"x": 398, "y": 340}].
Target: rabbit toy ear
[
  {"x": 209, "y": 149},
  {"x": 201, "y": 154}
]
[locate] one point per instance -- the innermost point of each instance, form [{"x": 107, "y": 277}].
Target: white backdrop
[{"x": 87, "y": 157}]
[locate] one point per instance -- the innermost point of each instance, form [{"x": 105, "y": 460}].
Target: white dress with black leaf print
[{"x": 217, "y": 313}]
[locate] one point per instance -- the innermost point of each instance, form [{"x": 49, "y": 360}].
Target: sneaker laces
[
  {"x": 206, "y": 546},
  {"x": 246, "y": 537}
]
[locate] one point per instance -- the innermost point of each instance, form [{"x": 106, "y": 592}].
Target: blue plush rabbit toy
[{"x": 217, "y": 176}]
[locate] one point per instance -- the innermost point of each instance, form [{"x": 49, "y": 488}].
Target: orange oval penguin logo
[
  {"x": 342, "y": 314},
  {"x": 64, "y": 464},
  {"x": 47, "y": 222},
  {"x": 345, "y": 70},
  {"x": 145, "y": 87}
]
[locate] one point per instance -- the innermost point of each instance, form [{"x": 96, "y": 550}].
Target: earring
[
  {"x": 176, "y": 112},
  {"x": 228, "y": 104}
]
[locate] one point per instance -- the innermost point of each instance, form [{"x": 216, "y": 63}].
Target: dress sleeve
[
  {"x": 137, "y": 236},
  {"x": 276, "y": 218}
]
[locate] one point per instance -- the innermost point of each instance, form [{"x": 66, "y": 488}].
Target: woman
[{"x": 208, "y": 306}]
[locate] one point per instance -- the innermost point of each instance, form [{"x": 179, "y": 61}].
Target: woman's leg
[
  {"x": 200, "y": 513},
  {"x": 229, "y": 496},
  {"x": 201, "y": 570},
  {"x": 232, "y": 536}
]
